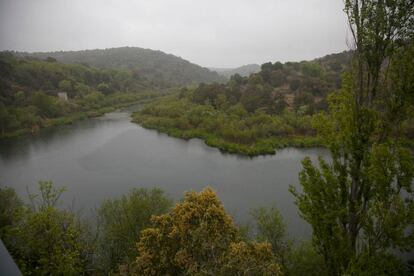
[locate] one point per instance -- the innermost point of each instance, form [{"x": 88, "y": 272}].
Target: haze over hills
[
  {"x": 243, "y": 71},
  {"x": 95, "y": 79},
  {"x": 332, "y": 61},
  {"x": 158, "y": 68}
]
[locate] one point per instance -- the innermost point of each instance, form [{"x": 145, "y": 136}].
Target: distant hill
[
  {"x": 243, "y": 71},
  {"x": 26, "y": 75},
  {"x": 155, "y": 67}
]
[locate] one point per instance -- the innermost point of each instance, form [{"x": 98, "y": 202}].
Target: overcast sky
[{"x": 212, "y": 33}]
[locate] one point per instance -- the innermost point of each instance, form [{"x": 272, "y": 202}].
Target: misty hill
[
  {"x": 243, "y": 71},
  {"x": 155, "y": 67}
]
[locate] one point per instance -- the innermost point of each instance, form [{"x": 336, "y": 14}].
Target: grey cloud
[{"x": 217, "y": 33}]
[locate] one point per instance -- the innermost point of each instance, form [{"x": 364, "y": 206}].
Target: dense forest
[
  {"x": 30, "y": 88},
  {"x": 144, "y": 233},
  {"x": 156, "y": 68}
]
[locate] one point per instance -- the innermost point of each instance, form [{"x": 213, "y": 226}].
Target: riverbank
[{"x": 76, "y": 116}]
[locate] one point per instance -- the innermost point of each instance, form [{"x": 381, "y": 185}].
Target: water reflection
[{"x": 106, "y": 157}]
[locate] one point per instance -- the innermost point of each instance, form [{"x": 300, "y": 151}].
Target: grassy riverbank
[{"x": 82, "y": 111}]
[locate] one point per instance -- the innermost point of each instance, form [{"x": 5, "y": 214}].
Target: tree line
[
  {"x": 144, "y": 233},
  {"x": 29, "y": 92},
  {"x": 300, "y": 86},
  {"x": 156, "y": 68}
]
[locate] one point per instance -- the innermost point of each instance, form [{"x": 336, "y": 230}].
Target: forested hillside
[
  {"x": 243, "y": 71},
  {"x": 29, "y": 90},
  {"x": 256, "y": 114},
  {"x": 297, "y": 85},
  {"x": 154, "y": 67}
]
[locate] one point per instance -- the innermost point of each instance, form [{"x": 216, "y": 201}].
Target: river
[{"x": 106, "y": 157}]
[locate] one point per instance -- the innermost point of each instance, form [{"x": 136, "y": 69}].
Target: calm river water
[{"x": 108, "y": 156}]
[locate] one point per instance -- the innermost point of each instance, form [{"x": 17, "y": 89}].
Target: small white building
[{"x": 63, "y": 96}]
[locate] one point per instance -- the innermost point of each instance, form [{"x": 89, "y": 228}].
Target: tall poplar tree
[{"x": 361, "y": 203}]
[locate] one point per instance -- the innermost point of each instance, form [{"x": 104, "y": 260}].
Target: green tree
[
  {"x": 19, "y": 97},
  {"x": 277, "y": 65},
  {"x": 51, "y": 59},
  {"x": 120, "y": 222},
  {"x": 303, "y": 259},
  {"x": 104, "y": 88},
  {"x": 303, "y": 99},
  {"x": 277, "y": 78},
  {"x": 11, "y": 208},
  {"x": 8, "y": 120},
  {"x": 47, "y": 105},
  {"x": 65, "y": 85},
  {"x": 272, "y": 229},
  {"x": 311, "y": 69},
  {"x": 361, "y": 205},
  {"x": 47, "y": 241},
  {"x": 82, "y": 89},
  {"x": 295, "y": 258},
  {"x": 250, "y": 258},
  {"x": 266, "y": 71}
]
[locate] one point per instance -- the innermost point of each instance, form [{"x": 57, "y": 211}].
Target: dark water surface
[{"x": 106, "y": 157}]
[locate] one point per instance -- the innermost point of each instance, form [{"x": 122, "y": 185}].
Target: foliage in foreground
[
  {"x": 198, "y": 238},
  {"x": 294, "y": 257},
  {"x": 120, "y": 222},
  {"x": 361, "y": 205},
  {"x": 42, "y": 239}
]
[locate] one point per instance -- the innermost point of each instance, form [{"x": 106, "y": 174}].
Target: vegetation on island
[{"x": 232, "y": 130}]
